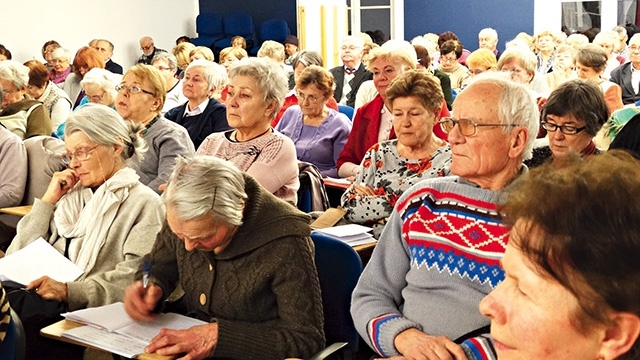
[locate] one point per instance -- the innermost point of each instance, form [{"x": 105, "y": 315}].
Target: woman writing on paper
[
  {"x": 242, "y": 271},
  {"x": 96, "y": 212}
]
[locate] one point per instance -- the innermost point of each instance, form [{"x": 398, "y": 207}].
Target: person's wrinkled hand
[
  {"x": 197, "y": 342},
  {"x": 49, "y": 289},
  {"x": 415, "y": 345},
  {"x": 363, "y": 190},
  {"x": 140, "y": 303},
  {"x": 60, "y": 184}
]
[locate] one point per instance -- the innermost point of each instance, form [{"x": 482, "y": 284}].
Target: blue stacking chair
[
  {"x": 274, "y": 29},
  {"x": 347, "y": 110},
  {"x": 209, "y": 28},
  {"x": 339, "y": 268},
  {"x": 237, "y": 24},
  {"x": 14, "y": 343}
]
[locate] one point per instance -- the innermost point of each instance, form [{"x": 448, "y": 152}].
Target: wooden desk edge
[
  {"x": 17, "y": 210},
  {"x": 365, "y": 246},
  {"x": 54, "y": 331}
]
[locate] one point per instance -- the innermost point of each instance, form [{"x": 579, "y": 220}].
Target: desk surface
[
  {"x": 54, "y": 331},
  {"x": 17, "y": 210}
]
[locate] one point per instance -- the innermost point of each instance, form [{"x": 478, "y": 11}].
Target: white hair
[
  {"x": 490, "y": 32},
  {"x": 105, "y": 79},
  {"x": 13, "y": 71},
  {"x": 215, "y": 74},
  {"x": 206, "y": 185}
]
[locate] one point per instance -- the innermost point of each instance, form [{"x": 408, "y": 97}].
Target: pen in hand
[{"x": 146, "y": 269}]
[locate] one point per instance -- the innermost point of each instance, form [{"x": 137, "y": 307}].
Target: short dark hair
[
  {"x": 4, "y": 51},
  {"x": 451, "y": 46},
  {"x": 419, "y": 84},
  {"x": 588, "y": 222},
  {"x": 318, "y": 76},
  {"x": 593, "y": 56},
  {"x": 582, "y": 99},
  {"x": 446, "y": 36},
  {"x": 38, "y": 74}
]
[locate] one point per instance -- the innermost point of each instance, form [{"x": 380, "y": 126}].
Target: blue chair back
[
  {"x": 237, "y": 24},
  {"x": 274, "y": 29},
  {"x": 347, "y": 110},
  {"x": 339, "y": 268},
  {"x": 14, "y": 344},
  {"x": 210, "y": 28}
]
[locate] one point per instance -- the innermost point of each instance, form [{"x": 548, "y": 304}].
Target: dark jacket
[
  {"x": 361, "y": 76},
  {"x": 262, "y": 290},
  {"x": 213, "y": 119}
]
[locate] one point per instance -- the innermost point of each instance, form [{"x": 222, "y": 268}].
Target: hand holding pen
[{"x": 142, "y": 297}]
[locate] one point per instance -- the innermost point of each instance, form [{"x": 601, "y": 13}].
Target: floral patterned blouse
[{"x": 389, "y": 175}]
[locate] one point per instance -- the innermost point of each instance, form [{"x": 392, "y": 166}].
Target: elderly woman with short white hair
[
  {"x": 20, "y": 114},
  {"x": 250, "y": 278},
  {"x": 60, "y": 59},
  {"x": 256, "y": 91},
  {"x": 97, "y": 213},
  {"x": 99, "y": 86},
  {"x": 202, "y": 115}
]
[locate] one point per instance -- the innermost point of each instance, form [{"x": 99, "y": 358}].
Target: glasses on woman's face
[
  {"x": 466, "y": 127},
  {"x": 80, "y": 155},
  {"x": 448, "y": 59},
  {"x": 132, "y": 89},
  {"x": 96, "y": 98},
  {"x": 302, "y": 98},
  {"x": 59, "y": 61},
  {"x": 565, "y": 129}
]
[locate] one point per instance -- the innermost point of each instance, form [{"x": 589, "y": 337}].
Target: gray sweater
[
  {"x": 131, "y": 235},
  {"x": 166, "y": 141},
  {"x": 13, "y": 168}
]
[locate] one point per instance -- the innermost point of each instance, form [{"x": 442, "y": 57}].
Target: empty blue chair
[
  {"x": 237, "y": 24},
  {"x": 209, "y": 28},
  {"x": 274, "y": 29},
  {"x": 339, "y": 268},
  {"x": 347, "y": 110}
]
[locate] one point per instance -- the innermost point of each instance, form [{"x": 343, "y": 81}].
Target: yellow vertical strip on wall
[
  {"x": 323, "y": 32},
  {"x": 302, "y": 25},
  {"x": 336, "y": 36}
]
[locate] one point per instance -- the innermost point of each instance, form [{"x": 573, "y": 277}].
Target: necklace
[
  {"x": 146, "y": 128},
  {"x": 234, "y": 136}
]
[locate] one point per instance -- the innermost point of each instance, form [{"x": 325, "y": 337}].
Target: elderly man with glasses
[
  {"x": 628, "y": 75},
  {"x": 439, "y": 252},
  {"x": 149, "y": 50}
]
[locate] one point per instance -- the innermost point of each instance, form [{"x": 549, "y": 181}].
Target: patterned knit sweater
[
  {"x": 436, "y": 259},
  {"x": 270, "y": 159},
  {"x": 262, "y": 290}
]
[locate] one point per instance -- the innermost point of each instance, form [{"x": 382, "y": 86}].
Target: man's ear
[
  {"x": 518, "y": 142},
  {"x": 621, "y": 335}
]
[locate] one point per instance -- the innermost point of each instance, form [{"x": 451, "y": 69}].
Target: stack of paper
[
  {"x": 111, "y": 329},
  {"x": 352, "y": 234},
  {"x": 36, "y": 260}
]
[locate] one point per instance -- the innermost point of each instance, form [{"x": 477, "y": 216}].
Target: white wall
[{"x": 28, "y": 24}]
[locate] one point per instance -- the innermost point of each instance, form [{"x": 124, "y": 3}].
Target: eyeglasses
[
  {"x": 146, "y": 48},
  {"x": 80, "y": 155},
  {"x": 448, "y": 59},
  {"x": 163, "y": 68},
  {"x": 565, "y": 129},
  {"x": 132, "y": 89},
  {"x": 302, "y": 98},
  {"x": 349, "y": 47},
  {"x": 633, "y": 48},
  {"x": 467, "y": 127},
  {"x": 59, "y": 61},
  {"x": 96, "y": 98},
  {"x": 512, "y": 70}
]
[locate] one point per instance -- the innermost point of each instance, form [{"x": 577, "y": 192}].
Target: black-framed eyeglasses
[
  {"x": 467, "y": 127},
  {"x": 565, "y": 129},
  {"x": 80, "y": 155},
  {"x": 132, "y": 89}
]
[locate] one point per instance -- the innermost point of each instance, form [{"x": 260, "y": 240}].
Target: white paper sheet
[{"x": 36, "y": 260}]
